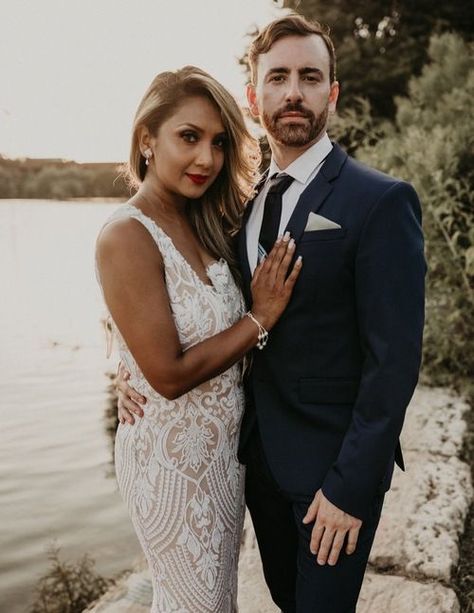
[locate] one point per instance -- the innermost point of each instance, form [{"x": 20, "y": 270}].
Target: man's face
[{"x": 293, "y": 95}]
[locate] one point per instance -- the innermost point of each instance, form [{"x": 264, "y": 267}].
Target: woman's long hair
[{"x": 216, "y": 216}]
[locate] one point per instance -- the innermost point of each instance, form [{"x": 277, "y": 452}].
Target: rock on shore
[{"x": 416, "y": 548}]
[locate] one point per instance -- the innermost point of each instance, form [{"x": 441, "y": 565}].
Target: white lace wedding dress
[{"x": 177, "y": 467}]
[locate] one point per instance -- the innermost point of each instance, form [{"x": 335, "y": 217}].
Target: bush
[
  {"x": 356, "y": 127},
  {"x": 431, "y": 145},
  {"x": 60, "y": 179},
  {"x": 381, "y": 45},
  {"x": 68, "y": 587}
]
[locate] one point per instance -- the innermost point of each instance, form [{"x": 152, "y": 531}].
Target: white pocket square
[{"x": 318, "y": 222}]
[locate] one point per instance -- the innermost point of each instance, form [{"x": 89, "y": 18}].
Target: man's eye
[
  {"x": 189, "y": 137},
  {"x": 277, "y": 78}
]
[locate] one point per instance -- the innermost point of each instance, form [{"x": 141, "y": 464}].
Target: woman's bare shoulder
[{"x": 127, "y": 236}]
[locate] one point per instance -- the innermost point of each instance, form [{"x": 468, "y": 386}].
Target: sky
[{"x": 72, "y": 72}]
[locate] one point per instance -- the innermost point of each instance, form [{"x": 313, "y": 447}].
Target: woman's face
[{"x": 188, "y": 150}]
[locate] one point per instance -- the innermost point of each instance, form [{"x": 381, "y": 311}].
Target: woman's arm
[{"x": 132, "y": 277}]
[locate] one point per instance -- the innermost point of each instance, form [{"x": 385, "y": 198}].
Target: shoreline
[{"x": 87, "y": 200}]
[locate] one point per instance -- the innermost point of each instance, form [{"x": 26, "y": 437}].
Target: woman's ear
[{"x": 144, "y": 139}]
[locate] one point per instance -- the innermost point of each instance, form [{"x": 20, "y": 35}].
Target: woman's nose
[{"x": 205, "y": 158}]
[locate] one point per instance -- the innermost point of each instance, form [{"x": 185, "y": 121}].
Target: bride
[{"x": 169, "y": 277}]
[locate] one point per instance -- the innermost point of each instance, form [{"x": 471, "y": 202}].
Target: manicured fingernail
[
  {"x": 299, "y": 259},
  {"x": 321, "y": 562},
  {"x": 286, "y": 236},
  {"x": 143, "y": 400},
  {"x": 291, "y": 244}
]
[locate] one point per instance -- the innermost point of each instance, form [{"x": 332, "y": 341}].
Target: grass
[{"x": 68, "y": 587}]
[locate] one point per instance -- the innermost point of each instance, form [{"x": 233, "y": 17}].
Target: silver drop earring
[{"x": 148, "y": 154}]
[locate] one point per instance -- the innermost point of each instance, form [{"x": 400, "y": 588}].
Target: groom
[{"x": 328, "y": 394}]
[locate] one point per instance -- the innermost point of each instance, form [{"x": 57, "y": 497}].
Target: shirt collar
[{"x": 301, "y": 168}]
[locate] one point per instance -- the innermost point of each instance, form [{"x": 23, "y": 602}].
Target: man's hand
[
  {"x": 330, "y": 528},
  {"x": 129, "y": 401}
]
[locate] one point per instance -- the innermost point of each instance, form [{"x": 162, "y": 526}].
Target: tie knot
[{"x": 280, "y": 183}]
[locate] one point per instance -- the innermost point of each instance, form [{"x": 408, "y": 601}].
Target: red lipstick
[{"x": 198, "y": 179}]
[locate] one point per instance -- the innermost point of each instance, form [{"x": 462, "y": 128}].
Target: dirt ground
[{"x": 463, "y": 579}]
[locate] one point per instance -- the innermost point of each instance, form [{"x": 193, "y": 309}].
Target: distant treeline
[{"x": 59, "y": 179}]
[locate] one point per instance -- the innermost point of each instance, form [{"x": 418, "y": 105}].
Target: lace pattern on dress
[{"x": 177, "y": 467}]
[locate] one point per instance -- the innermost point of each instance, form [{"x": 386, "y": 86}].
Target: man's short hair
[{"x": 290, "y": 25}]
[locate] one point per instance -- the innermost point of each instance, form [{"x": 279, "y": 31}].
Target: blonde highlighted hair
[{"x": 216, "y": 216}]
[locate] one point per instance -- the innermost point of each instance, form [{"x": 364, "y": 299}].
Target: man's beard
[{"x": 295, "y": 135}]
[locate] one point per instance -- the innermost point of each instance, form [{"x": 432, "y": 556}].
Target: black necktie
[{"x": 272, "y": 214}]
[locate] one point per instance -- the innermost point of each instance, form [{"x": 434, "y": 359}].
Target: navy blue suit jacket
[{"x": 330, "y": 389}]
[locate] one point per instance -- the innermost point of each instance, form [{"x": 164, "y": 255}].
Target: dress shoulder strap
[
  {"x": 162, "y": 240},
  {"x": 126, "y": 211},
  {"x": 129, "y": 211}
]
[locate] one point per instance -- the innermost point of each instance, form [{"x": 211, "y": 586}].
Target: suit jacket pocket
[
  {"x": 328, "y": 391},
  {"x": 323, "y": 235}
]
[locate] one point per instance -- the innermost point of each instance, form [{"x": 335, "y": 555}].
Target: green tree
[
  {"x": 381, "y": 45},
  {"x": 60, "y": 180},
  {"x": 7, "y": 184},
  {"x": 56, "y": 182},
  {"x": 431, "y": 144}
]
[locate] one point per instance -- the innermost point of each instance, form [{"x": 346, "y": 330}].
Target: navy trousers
[{"x": 296, "y": 582}]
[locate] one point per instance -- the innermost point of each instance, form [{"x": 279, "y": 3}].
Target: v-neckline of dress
[{"x": 207, "y": 268}]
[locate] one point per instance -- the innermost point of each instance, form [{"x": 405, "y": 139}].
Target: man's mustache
[{"x": 294, "y": 108}]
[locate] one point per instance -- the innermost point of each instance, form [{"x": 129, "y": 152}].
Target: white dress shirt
[{"x": 303, "y": 170}]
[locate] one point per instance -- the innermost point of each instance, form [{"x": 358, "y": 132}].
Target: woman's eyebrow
[{"x": 188, "y": 124}]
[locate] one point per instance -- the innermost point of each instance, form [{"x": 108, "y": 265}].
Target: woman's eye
[
  {"x": 189, "y": 137},
  {"x": 220, "y": 142}
]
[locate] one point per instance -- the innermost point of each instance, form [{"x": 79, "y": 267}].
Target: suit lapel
[
  {"x": 243, "y": 254},
  {"x": 242, "y": 240},
  {"x": 310, "y": 200},
  {"x": 317, "y": 192}
]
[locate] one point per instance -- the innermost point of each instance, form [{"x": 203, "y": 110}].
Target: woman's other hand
[{"x": 129, "y": 401}]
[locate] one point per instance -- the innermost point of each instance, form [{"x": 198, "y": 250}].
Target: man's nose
[{"x": 293, "y": 93}]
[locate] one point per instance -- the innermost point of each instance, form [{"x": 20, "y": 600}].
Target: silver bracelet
[{"x": 262, "y": 333}]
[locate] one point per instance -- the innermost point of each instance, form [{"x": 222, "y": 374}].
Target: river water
[{"x": 56, "y": 473}]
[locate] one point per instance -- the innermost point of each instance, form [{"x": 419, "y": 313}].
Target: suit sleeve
[{"x": 389, "y": 287}]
